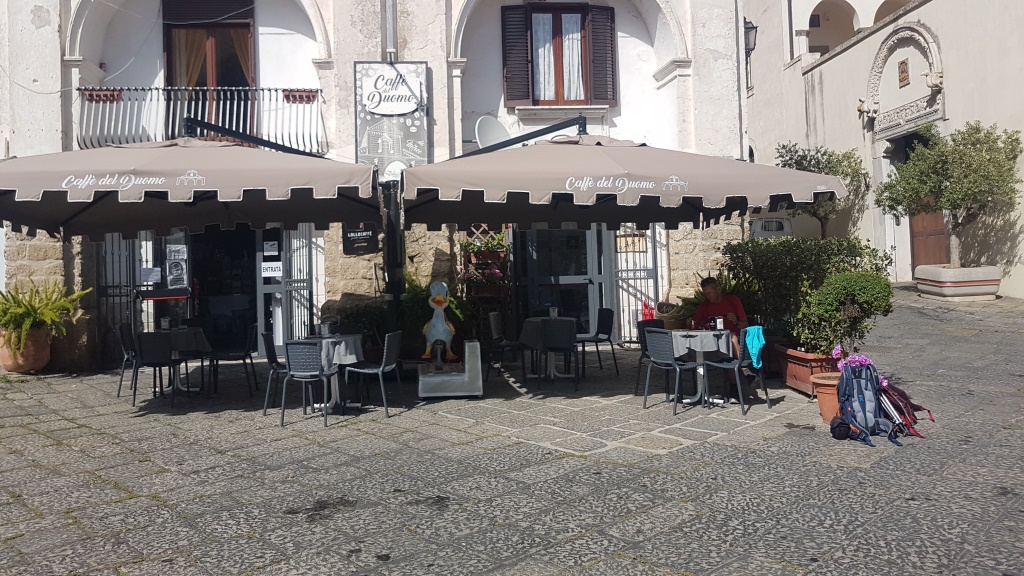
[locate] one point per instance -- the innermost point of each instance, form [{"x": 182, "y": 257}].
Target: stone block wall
[
  {"x": 42, "y": 260},
  {"x": 695, "y": 253},
  {"x": 352, "y": 279}
]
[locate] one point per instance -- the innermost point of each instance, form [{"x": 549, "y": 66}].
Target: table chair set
[
  {"x": 666, "y": 350},
  {"x": 312, "y": 360}
]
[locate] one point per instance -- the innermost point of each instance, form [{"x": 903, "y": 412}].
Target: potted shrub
[
  {"x": 29, "y": 318},
  {"x": 846, "y": 165},
  {"x": 489, "y": 249},
  {"x": 783, "y": 273},
  {"x": 837, "y": 315},
  {"x": 969, "y": 175}
]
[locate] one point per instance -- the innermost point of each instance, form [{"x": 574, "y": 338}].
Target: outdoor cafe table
[
  {"x": 532, "y": 336},
  {"x": 339, "y": 350},
  {"x": 185, "y": 342},
  {"x": 701, "y": 342}
]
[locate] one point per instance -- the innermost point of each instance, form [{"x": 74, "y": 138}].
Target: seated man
[{"x": 727, "y": 306}]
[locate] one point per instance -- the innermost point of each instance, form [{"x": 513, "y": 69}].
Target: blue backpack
[{"x": 860, "y": 406}]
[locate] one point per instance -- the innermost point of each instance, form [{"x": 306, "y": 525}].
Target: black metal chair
[
  {"x": 641, "y": 335},
  {"x": 127, "y": 339},
  {"x": 741, "y": 362},
  {"x": 560, "y": 338},
  {"x": 154, "y": 351},
  {"x": 499, "y": 346},
  {"x": 275, "y": 367},
  {"x": 661, "y": 353},
  {"x": 234, "y": 351},
  {"x": 304, "y": 359},
  {"x": 392, "y": 347},
  {"x": 603, "y": 334}
]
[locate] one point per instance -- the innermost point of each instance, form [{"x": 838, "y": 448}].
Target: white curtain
[
  {"x": 543, "y": 58},
  {"x": 572, "y": 56}
]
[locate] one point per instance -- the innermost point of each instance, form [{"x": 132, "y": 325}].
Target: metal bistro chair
[
  {"x": 274, "y": 366},
  {"x": 154, "y": 351},
  {"x": 641, "y": 335},
  {"x": 603, "y": 334},
  {"x": 131, "y": 354},
  {"x": 500, "y": 346},
  {"x": 743, "y": 361},
  {"x": 238, "y": 350},
  {"x": 662, "y": 354},
  {"x": 560, "y": 338},
  {"x": 392, "y": 347},
  {"x": 304, "y": 359}
]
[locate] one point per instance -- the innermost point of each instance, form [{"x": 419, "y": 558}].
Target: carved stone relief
[{"x": 904, "y": 118}]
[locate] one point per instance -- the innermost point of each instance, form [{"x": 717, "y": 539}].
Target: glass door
[{"x": 561, "y": 269}]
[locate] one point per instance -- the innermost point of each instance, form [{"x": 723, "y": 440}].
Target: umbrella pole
[{"x": 394, "y": 245}]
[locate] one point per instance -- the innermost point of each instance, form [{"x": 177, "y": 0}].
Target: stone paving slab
[{"x": 528, "y": 481}]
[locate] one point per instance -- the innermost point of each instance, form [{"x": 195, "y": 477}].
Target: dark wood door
[{"x": 929, "y": 240}]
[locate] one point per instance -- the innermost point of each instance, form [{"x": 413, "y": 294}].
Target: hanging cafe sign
[{"x": 388, "y": 92}]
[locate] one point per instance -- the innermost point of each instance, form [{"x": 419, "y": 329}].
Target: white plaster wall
[
  {"x": 286, "y": 46},
  {"x": 33, "y": 86},
  {"x": 132, "y": 45},
  {"x": 981, "y": 83},
  {"x": 646, "y": 111},
  {"x": 716, "y": 78}
]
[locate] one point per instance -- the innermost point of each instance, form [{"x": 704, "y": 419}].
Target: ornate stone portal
[{"x": 889, "y": 112}]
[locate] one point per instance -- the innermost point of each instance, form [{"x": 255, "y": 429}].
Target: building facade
[
  {"x": 87, "y": 73},
  {"x": 867, "y": 75}
]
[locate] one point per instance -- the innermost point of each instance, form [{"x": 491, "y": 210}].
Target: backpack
[
  {"x": 901, "y": 410},
  {"x": 860, "y": 406}
]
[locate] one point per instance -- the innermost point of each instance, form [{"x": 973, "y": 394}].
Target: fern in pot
[{"x": 30, "y": 316}]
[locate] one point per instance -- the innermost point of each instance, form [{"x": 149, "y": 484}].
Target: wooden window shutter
[
  {"x": 603, "y": 85},
  {"x": 206, "y": 11},
  {"x": 515, "y": 53}
]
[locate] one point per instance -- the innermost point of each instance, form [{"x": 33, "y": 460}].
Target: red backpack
[{"x": 901, "y": 409}]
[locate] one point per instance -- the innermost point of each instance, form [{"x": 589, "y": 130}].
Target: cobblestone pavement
[{"x": 528, "y": 482}]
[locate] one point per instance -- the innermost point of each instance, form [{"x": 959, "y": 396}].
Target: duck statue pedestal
[{"x": 436, "y": 378}]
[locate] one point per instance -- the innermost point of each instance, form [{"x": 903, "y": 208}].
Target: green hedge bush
[{"x": 785, "y": 271}]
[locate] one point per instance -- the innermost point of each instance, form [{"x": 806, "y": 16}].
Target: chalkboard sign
[{"x": 361, "y": 240}]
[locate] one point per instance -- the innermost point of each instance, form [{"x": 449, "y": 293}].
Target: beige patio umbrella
[
  {"x": 184, "y": 183},
  {"x": 587, "y": 179}
]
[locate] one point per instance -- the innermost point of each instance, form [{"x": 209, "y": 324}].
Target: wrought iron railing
[{"x": 288, "y": 116}]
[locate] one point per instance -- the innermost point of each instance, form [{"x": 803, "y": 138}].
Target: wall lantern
[{"x": 749, "y": 35}]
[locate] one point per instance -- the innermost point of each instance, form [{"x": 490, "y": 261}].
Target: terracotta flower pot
[
  {"x": 798, "y": 367},
  {"x": 33, "y": 357},
  {"x": 825, "y": 388}
]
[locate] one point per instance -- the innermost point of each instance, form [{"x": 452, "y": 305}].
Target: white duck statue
[{"x": 439, "y": 328}]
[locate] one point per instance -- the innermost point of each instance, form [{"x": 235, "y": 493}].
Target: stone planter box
[
  {"x": 798, "y": 367},
  {"x": 940, "y": 282}
]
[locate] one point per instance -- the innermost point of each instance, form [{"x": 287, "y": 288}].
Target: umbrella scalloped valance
[
  {"x": 587, "y": 179},
  {"x": 185, "y": 183}
]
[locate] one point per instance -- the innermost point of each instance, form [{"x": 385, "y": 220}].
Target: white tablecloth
[
  {"x": 342, "y": 349},
  {"x": 701, "y": 341}
]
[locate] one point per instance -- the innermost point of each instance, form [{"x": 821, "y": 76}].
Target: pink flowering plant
[
  {"x": 855, "y": 359},
  {"x": 490, "y": 275}
]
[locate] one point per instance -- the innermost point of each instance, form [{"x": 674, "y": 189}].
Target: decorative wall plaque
[{"x": 904, "y": 70}]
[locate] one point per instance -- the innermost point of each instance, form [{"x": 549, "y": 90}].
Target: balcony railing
[{"x": 287, "y": 116}]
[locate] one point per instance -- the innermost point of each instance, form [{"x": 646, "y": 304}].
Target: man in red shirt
[{"x": 727, "y": 306}]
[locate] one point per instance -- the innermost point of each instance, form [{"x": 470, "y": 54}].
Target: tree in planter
[
  {"x": 971, "y": 172},
  {"x": 839, "y": 312},
  {"x": 846, "y": 165}
]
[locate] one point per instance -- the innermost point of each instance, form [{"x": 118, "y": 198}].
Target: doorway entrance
[
  {"x": 929, "y": 238},
  {"x": 562, "y": 269},
  {"x": 224, "y": 282}
]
